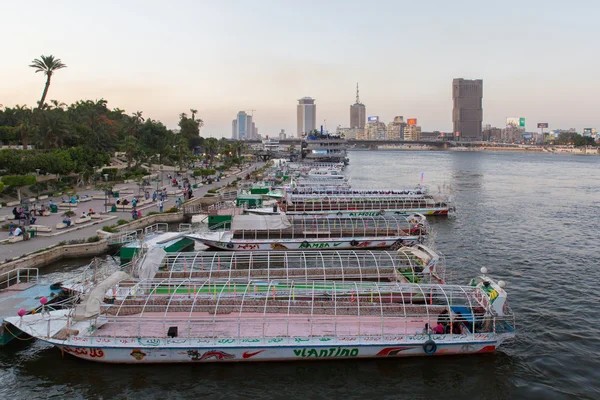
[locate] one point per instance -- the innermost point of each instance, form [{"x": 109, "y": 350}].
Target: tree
[
  {"x": 48, "y": 65},
  {"x": 18, "y": 181},
  {"x": 211, "y": 148}
]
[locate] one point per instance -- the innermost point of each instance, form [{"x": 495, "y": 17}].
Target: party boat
[
  {"x": 249, "y": 321},
  {"x": 280, "y": 232}
]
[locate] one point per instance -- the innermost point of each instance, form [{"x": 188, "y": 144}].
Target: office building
[
  {"x": 395, "y": 129},
  {"x": 412, "y": 133},
  {"x": 358, "y": 113},
  {"x": 374, "y": 130},
  {"x": 307, "y": 116},
  {"x": 467, "y": 111},
  {"x": 243, "y": 128}
]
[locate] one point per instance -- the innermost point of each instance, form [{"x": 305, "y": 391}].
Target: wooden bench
[
  {"x": 3, "y": 218},
  {"x": 44, "y": 197},
  {"x": 14, "y": 239},
  {"x": 96, "y": 216},
  {"x": 61, "y": 225},
  {"x": 68, "y": 206},
  {"x": 12, "y": 203},
  {"x": 84, "y": 199},
  {"x": 100, "y": 197}
]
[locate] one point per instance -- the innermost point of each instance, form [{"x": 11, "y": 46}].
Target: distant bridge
[{"x": 368, "y": 143}]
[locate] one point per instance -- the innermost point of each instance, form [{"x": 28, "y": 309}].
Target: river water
[{"x": 532, "y": 219}]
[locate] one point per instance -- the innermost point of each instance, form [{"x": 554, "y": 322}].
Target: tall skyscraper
[
  {"x": 249, "y": 130},
  {"x": 234, "y": 129},
  {"x": 358, "y": 113},
  {"x": 242, "y": 125},
  {"x": 307, "y": 116},
  {"x": 467, "y": 112}
]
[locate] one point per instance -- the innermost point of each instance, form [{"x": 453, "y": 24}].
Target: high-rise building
[
  {"x": 374, "y": 130},
  {"x": 249, "y": 129},
  {"x": 242, "y": 125},
  {"x": 467, "y": 112},
  {"x": 307, "y": 116},
  {"x": 412, "y": 133},
  {"x": 395, "y": 129},
  {"x": 234, "y": 129},
  {"x": 358, "y": 113}
]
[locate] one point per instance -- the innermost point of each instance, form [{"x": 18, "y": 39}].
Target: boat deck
[{"x": 257, "y": 325}]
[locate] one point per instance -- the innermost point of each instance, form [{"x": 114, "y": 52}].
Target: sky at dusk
[{"x": 537, "y": 59}]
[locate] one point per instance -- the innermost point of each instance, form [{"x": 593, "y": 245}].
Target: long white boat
[
  {"x": 359, "y": 207},
  {"x": 236, "y": 321},
  {"x": 279, "y": 232}
]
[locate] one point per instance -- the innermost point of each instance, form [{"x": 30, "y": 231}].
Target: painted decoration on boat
[
  {"x": 331, "y": 352},
  {"x": 211, "y": 354},
  {"x": 82, "y": 351},
  {"x": 250, "y": 354},
  {"x": 138, "y": 354},
  {"x": 278, "y": 246}
]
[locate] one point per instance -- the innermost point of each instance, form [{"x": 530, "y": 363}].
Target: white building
[{"x": 306, "y": 116}]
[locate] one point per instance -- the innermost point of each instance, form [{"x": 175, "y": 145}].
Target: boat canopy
[
  {"x": 260, "y": 222},
  {"x": 287, "y": 308},
  {"x": 90, "y": 306},
  {"x": 409, "y": 264}
]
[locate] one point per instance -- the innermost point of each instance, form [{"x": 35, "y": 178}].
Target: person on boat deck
[
  {"x": 18, "y": 231},
  {"x": 439, "y": 329},
  {"x": 457, "y": 324}
]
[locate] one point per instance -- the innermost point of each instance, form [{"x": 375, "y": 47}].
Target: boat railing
[
  {"x": 362, "y": 204},
  {"x": 341, "y": 227},
  {"x": 231, "y": 311},
  {"x": 18, "y": 275},
  {"x": 158, "y": 227},
  {"x": 185, "y": 227},
  {"x": 125, "y": 237}
]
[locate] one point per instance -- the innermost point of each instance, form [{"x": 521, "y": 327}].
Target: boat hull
[
  {"x": 314, "y": 244},
  {"x": 355, "y": 213},
  {"x": 148, "y": 352}
]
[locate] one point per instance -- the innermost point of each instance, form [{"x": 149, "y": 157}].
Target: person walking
[{"x": 160, "y": 205}]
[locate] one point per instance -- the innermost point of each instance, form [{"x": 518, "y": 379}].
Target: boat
[
  {"x": 359, "y": 207},
  {"x": 281, "y": 232},
  {"x": 257, "y": 320}
]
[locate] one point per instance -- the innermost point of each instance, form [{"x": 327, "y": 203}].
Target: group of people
[
  {"x": 23, "y": 214},
  {"x": 445, "y": 325},
  {"x": 15, "y": 230}
]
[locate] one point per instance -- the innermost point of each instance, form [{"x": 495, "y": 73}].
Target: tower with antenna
[{"x": 358, "y": 113}]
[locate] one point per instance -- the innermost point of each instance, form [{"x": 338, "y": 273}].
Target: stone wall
[{"x": 46, "y": 257}]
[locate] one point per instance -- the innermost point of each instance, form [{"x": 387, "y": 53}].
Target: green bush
[
  {"x": 122, "y": 222},
  {"x": 93, "y": 239},
  {"x": 212, "y": 190},
  {"x": 172, "y": 210},
  {"x": 109, "y": 229},
  {"x": 76, "y": 241},
  {"x": 5, "y": 227},
  {"x": 62, "y": 243},
  {"x": 152, "y": 213}
]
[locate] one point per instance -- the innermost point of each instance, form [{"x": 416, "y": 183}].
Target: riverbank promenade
[{"x": 88, "y": 229}]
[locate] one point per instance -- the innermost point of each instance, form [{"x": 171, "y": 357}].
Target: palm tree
[{"x": 48, "y": 65}]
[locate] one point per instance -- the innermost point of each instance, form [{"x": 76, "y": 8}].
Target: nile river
[{"x": 532, "y": 219}]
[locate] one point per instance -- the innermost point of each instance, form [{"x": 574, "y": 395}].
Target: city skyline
[{"x": 195, "y": 65}]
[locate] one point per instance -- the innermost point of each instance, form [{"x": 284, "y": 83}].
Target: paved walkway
[{"x": 84, "y": 231}]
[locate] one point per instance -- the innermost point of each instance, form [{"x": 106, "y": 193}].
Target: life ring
[
  {"x": 339, "y": 214},
  {"x": 354, "y": 243},
  {"x": 381, "y": 212},
  {"x": 230, "y": 245},
  {"x": 304, "y": 244},
  {"x": 429, "y": 347}
]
